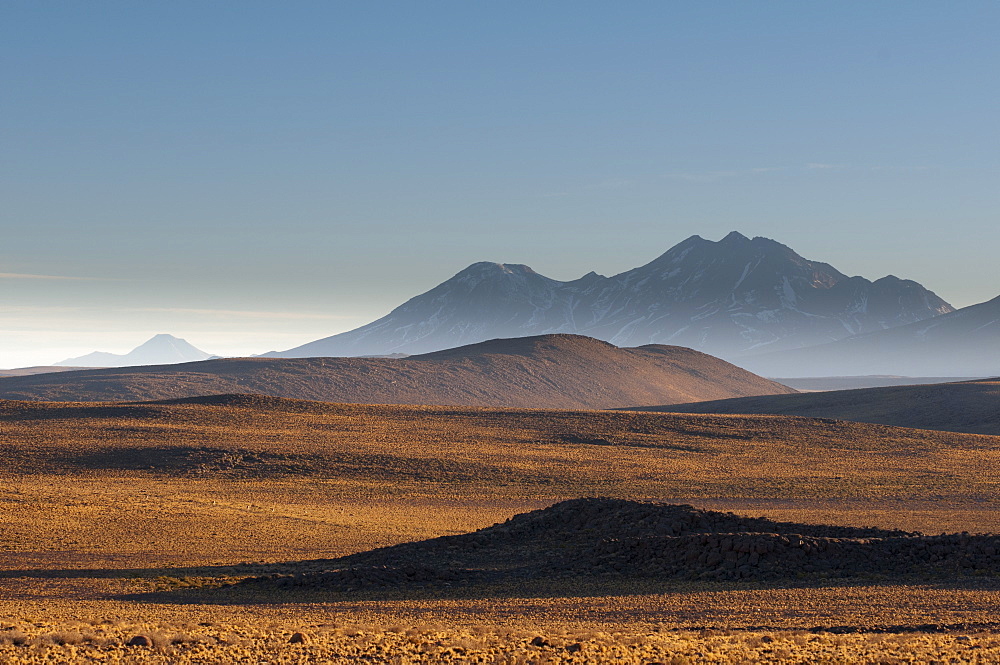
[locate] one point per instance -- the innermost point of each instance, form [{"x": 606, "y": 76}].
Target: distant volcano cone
[{"x": 160, "y": 349}]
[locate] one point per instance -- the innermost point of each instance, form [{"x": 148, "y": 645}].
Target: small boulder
[
  {"x": 140, "y": 641},
  {"x": 298, "y": 638}
]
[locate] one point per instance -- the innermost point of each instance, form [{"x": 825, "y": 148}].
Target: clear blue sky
[{"x": 253, "y": 175}]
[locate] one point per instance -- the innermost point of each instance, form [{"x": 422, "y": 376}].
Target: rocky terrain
[
  {"x": 619, "y": 538},
  {"x": 548, "y": 371}
]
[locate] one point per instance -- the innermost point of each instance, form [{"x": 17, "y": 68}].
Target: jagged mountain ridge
[
  {"x": 160, "y": 349},
  {"x": 729, "y": 298}
]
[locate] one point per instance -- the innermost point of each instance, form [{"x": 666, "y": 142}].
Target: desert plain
[{"x": 191, "y": 530}]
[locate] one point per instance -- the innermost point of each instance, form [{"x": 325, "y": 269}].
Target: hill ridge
[
  {"x": 960, "y": 406},
  {"x": 547, "y": 371}
]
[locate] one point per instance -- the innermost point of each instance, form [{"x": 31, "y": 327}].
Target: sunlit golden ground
[
  {"x": 696, "y": 625},
  {"x": 99, "y": 503}
]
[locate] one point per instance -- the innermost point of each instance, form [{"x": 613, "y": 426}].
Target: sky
[{"x": 251, "y": 176}]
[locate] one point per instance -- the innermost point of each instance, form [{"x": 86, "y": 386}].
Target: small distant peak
[
  {"x": 493, "y": 267},
  {"x": 692, "y": 240},
  {"x": 483, "y": 265},
  {"x": 516, "y": 268},
  {"x": 161, "y": 339},
  {"x": 587, "y": 280},
  {"x": 735, "y": 237}
]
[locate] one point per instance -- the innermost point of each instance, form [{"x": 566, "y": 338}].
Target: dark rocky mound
[{"x": 610, "y": 538}]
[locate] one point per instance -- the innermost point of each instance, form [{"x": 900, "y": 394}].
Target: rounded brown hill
[
  {"x": 545, "y": 371},
  {"x": 963, "y": 406}
]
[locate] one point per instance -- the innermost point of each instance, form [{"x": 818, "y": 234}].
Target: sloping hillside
[
  {"x": 968, "y": 406},
  {"x": 965, "y": 342},
  {"x": 39, "y": 369},
  {"x": 548, "y": 371}
]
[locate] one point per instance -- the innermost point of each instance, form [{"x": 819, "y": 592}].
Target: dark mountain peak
[
  {"x": 486, "y": 273},
  {"x": 716, "y": 272},
  {"x": 682, "y": 248},
  {"x": 762, "y": 246},
  {"x": 492, "y": 270},
  {"x": 516, "y": 269},
  {"x": 491, "y": 267},
  {"x": 587, "y": 280},
  {"x": 734, "y": 245},
  {"x": 735, "y": 237}
]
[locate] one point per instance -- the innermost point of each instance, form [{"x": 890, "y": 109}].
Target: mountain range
[
  {"x": 549, "y": 371},
  {"x": 733, "y": 298},
  {"x": 158, "y": 350}
]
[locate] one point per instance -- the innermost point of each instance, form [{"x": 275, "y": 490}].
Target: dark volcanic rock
[{"x": 608, "y": 538}]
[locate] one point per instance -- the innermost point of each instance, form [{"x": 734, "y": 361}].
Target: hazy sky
[{"x": 255, "y": 175}]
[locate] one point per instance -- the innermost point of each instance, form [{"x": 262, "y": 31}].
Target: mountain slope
[
  {"x": 965, "y": 342},
  {"x": 727, "y": 298},
  {"x": 968, "y": 406},
  {"x": 158, "y": 350},
  {"x": 39, "y": 369},
  {"x": 552, "y": 371}
]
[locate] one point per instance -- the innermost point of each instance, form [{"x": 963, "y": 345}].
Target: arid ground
[{"x": 135, "y": 522}]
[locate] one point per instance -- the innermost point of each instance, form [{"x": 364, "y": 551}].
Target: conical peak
[
  {"x": 161, "y": 338},
  {"x": 735, "y": 237}
]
